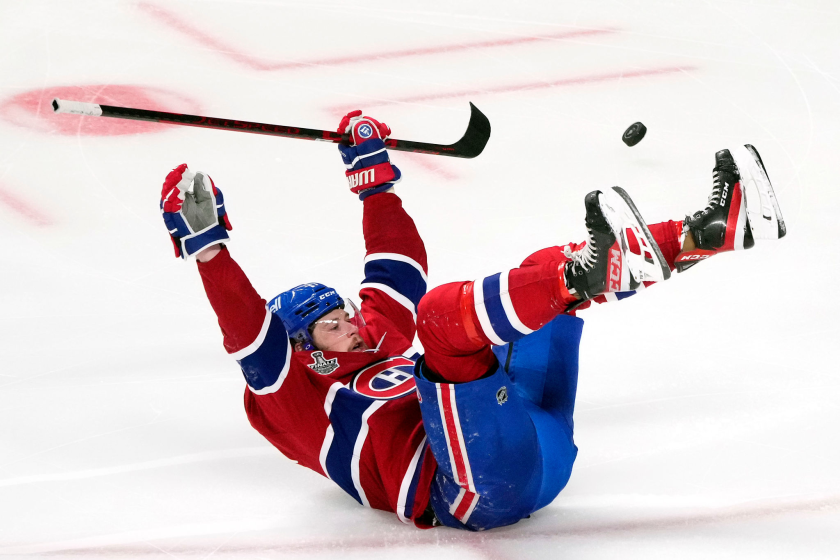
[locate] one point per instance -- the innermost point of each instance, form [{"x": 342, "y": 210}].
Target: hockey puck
[{"x": 634, "y": 134}]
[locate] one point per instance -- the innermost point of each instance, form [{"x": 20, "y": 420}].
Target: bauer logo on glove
[{"x": 193, "y": 210}]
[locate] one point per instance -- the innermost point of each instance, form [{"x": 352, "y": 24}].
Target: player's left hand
[
  {"x": 362, "y": 128},
  {"x": 193, "y": 210},
  {"x": 369, "y": 169}
]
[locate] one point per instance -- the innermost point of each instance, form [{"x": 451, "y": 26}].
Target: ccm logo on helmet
[{"x": 386, "y": 380}]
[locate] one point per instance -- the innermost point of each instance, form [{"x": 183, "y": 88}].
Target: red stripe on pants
[
  {"x": 466, "y": 502},
  {"x": 459, "y": 469}
]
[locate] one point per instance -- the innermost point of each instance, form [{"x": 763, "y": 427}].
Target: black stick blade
[
  {"x": 476, "y": 136},
  {"x": 470, "y": 145}
]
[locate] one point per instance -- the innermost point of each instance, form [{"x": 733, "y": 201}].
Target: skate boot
[
  {"x": 763, "y": 212},
  {"x": 724, "y": 224},
  {"x": 605, "y": 263}
]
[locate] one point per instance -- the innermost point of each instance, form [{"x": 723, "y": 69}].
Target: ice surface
[{"x": 707, "y": 414}]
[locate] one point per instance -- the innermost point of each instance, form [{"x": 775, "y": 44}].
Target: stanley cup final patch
[{"x": 322, "y": 366}]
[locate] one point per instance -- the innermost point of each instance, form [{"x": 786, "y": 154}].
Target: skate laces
[
  {"x": 586, "y": 257},
  {"x": 714, "y": 199}
]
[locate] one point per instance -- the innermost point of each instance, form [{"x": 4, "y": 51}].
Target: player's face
[{"x": 335, "y": 333}]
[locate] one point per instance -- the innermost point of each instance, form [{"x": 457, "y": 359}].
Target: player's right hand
[
  {"x": 369, "y": 169},
  {"x": 193, "y": 210},
  {"x": 362, "y": 128}
]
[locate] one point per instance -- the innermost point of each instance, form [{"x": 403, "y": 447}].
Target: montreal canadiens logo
[
  {"x": 365, "y": 131},
  {"x": 386, "y": 380}
]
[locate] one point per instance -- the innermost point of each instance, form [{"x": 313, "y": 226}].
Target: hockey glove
[
  {"x": 193, "y": 210},
  {"x": 369, "y": 169}
]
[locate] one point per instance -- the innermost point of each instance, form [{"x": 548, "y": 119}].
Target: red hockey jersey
[{"x": 350, "y": 416}]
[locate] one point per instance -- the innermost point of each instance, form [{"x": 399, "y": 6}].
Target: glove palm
[{"x": 193, "y": 211}]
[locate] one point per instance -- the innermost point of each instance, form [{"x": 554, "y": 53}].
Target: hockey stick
[{"x": 470, "y": 145}]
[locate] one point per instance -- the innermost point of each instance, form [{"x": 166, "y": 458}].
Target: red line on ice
[
  {"x": 595, "y": 78},
  {"x": 526, "y": 534},
  {"x": 425, "y": 162},
  {"x": 23, "y": 208},
  {"x": 172, "y": 20}
]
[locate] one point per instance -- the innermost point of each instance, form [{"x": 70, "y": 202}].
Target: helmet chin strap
[{"x": 377, "y": 346}]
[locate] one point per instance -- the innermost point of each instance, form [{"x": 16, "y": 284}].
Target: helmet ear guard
[{"x": 301, "y": 306}]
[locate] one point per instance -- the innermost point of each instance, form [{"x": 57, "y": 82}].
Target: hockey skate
[
  {"x": 606, "y": 263},
  {"x": 725, "y": 224},
  {"x": 763, "y": 212}
]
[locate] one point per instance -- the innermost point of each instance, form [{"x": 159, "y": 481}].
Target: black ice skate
[
  {"x": 724, "y": 224},
  {"x": 605, "y": 263}
]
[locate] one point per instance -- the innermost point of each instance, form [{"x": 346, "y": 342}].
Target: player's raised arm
[
  {"x": 395, "y": 260},
  {"x": 194, "y": 212}
]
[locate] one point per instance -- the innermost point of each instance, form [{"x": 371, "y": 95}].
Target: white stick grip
[{"x": 76, "y": 108}]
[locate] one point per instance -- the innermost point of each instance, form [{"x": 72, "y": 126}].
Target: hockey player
[{"x": 476, "y": 433}]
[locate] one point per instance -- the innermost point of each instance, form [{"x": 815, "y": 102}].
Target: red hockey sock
[{"x": 457, "y": 323}]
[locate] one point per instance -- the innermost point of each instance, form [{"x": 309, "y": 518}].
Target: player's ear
[{"x": 298, "y": 346}]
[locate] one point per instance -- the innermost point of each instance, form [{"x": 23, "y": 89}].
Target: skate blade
[
  {"x": 763, "y": 211},
  {"x": 650, "y": 265}
]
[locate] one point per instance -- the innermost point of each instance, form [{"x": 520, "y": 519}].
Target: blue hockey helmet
[{"x": 301, "y": 306}]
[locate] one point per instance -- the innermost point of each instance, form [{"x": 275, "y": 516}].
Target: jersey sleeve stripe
[
  {"x": 265, "y": 362},
  {"x": 400, "y": 276},
  {"x": 251, "y": 348},
  {"x": 400, "y": 258},
  {"x": 393, "y": 294},
  {"x": 481, "y": 312},
  {"x": 405, "y": 500},
  {"x": 256, "y": 375}
]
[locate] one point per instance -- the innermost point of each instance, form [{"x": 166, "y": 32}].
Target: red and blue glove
[
  {"x": 193, "y": 210},
  {"x": 369, "y": 169}
]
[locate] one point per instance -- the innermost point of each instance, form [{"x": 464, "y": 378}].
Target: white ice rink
[{"x": 707, "y": 415}]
